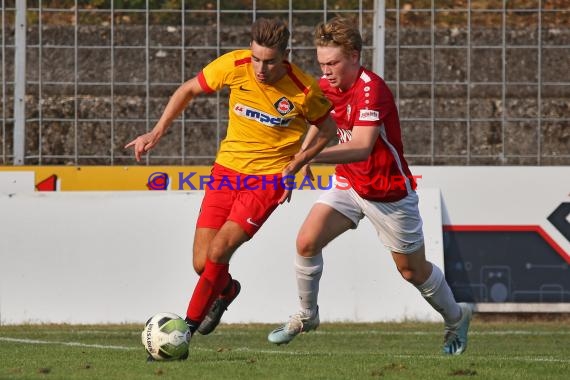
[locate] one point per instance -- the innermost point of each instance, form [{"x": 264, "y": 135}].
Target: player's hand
[
  {"x": 307, "y": 172},
  {"x": 286, "y": 197},
  {"x": 143, "y": 144},
  {"x": 288, "y": 180}
]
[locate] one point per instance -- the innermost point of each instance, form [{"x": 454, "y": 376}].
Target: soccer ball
[{"x": 166, "y": 336}]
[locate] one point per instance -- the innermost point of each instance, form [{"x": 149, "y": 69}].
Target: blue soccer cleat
[
  {"x": 298, "y": 323},
  {"x": 455, "y": 340}
]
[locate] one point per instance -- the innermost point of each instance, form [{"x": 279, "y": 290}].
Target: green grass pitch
[{"x": 497, "y": 350}]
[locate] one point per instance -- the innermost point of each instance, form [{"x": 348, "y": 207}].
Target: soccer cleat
[
  {"x": 455, "y": 340},
  {"x": 218, "y": 308},
  {"x": 192, "y": 325},
  {"x": 298, "y": 323}
]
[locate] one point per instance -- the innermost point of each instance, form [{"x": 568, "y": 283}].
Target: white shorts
[{"x": 398, "y": 224}]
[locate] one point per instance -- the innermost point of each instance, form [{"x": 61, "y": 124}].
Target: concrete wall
[
  {"x": 92, "y": 257},
  {"x": 96, "y": 257}
]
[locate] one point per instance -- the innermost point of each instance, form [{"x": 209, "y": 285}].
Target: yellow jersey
[{"x": 266, "y": 122}]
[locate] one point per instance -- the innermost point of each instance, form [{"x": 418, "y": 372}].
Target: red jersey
[{"x": 384, "y": 176}]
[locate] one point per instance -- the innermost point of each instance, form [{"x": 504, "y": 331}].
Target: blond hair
[
  {"x": 270, "y": 33},
  {"x": 341, "y": 32}
]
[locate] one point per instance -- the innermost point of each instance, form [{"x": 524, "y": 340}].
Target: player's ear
[{"x": 355, "y": 56}]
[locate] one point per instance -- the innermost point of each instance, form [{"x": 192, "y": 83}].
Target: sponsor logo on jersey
[
  {"x": 283, "y": 106},
  {"x": 343, "y": 135},
  {"x": 260, "y": 116},
  {"x": 369, "y": 115}
]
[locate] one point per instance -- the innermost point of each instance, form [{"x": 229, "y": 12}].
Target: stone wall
[{"x": 468, "y": 127}]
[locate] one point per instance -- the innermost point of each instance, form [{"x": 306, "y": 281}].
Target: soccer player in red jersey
[
  {"x": 370, "y": 159},
  {"x": 271, "y": 104}
]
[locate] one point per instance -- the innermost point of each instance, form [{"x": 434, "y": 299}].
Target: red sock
[
  {"x": 229, "y": 290},
  {"x": 210, "y": 285}
]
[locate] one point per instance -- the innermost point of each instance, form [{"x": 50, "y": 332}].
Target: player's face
[
  {"x": 340, "y": 70},
  {"x": 267, "y": 63}
]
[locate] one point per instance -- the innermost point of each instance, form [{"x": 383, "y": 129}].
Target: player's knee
[
  {"x": 306, "y": 245},
  {"x": 198, "y": 265},
  {"x": 406, "y": 273},
  {"x": 220, "y": 252},
  {"x": 410, "y": 275},
  {"x": 199, "y": 260}
]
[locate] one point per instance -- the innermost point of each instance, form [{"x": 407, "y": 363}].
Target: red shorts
[{"x": 245, "y": 199}]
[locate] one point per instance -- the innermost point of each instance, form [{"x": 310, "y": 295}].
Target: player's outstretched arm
[
  {"x": 179, "y": 100},
  {"x": 358, "y": 148},
  {"x": 326, "y": 131},
  {"x": 318, "y": 140}
]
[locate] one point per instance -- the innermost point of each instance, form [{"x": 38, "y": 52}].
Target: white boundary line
[
  {"x": 278, "y": 351},
  {"x": 74, "y": 344}
]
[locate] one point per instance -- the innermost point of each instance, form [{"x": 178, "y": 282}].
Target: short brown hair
[
  {"x": 270, "y": 33},
  {"x": 339, "y": 31}
]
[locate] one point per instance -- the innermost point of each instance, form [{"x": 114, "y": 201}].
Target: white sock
[
  {"x": 309, "y": 271},
  {"x": 438, "y": 294}
]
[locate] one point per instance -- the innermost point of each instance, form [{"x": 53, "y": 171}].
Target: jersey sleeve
[
  {"x": 374, "y": 103},
  {"x": 317, "y": 106},
  {"x": 217, "y": 73}
]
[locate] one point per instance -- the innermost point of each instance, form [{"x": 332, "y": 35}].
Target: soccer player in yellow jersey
[{"x": 271, "y": 104}]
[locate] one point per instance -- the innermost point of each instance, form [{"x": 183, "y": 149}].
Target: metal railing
[
  {"x": 497, "y": 94},
  {"x": 477, "y": 82}
]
